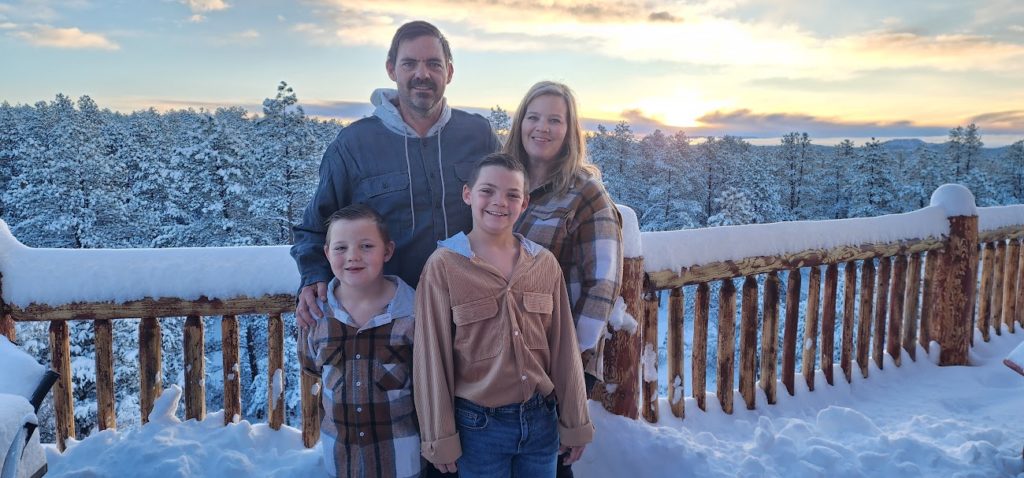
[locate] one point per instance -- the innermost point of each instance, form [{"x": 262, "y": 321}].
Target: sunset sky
[{"x": 833, "y": 68}]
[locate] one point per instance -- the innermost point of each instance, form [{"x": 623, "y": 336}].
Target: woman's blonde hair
[{"x": 572, "y": 159}]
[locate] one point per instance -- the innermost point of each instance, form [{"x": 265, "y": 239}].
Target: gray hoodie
[{"x": 414, "y": 182}]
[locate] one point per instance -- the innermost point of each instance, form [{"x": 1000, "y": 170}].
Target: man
[{"x": 408, "y": 161}]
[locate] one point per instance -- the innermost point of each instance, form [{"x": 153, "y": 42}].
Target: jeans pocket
[{"x": 470, "y": 419}]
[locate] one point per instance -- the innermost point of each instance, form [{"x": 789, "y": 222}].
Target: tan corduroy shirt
[{"x": 494, "y": 342}]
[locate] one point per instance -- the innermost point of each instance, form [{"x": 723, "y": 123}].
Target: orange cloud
[{"x": 70, "y": 38}]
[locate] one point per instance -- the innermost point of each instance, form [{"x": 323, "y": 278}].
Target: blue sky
[{"x": 753, "y": 68}]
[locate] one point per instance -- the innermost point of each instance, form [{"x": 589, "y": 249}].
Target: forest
[{"x": 75, "y": 175}]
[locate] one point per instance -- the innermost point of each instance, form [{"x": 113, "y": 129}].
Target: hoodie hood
[
  {"x": 459, "y": 244},
  {"x": 382, "y": 99}
]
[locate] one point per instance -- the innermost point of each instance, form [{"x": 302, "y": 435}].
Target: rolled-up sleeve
[
  {"x": 597, "y": 242},
  {"x": 574, "y": 426}
]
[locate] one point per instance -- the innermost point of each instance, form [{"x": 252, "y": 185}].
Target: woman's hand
[
  {"x": 446, "y": 467},
  {"x": 575, "y": 452}
]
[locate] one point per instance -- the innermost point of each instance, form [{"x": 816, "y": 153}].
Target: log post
[
  {"x": 828, "y": 323},
  {"x": 699, "y": 358},
  {"x": 810, "y": 343},
  {"x": 195, "y": 369},
  {"x": 867, "y": 293},
  {"x": 1019, "y": 308},
  {"x": 996, "y": 299},
  {"x": 793, "y": 278},
  {"x": 231, "y": 368},
  {"x": 310, "y": 397},
  {"x": 726, "y": 344},
  {"x": 652, "y": 302},
  {"x": 881, "y": 308},
  {"x": 953, "y": 313},
  {"x": 275, "y": 372},
  {"x": 63, "y": 402},
  {"x": 897, "y": 294},
  {"x": 621, "y": 393},
  {"x": 150, "y": 382},
  {"x": 748, "y": 341},
  {"x": 934, "y": 271},
  {"x": 676, "y": 326},
  {"x": 985, "y": 298},
  {"x": 910, "y": 309},
  {"x": 104, "y": 341},
  {"x": 6, "y": 322},
  {"x": 849, "y": 318},
  {"x": 770, "y": 336},
  {"x": 1010, "y": 285}
]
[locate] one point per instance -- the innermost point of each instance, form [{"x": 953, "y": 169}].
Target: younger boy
[
  {"x": 362, "y": 348},
  {"x": 495, "y": 343}
]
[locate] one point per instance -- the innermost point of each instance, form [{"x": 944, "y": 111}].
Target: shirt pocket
[
  {"x": 478, "y": 333},
  {"x": 548, "y": 223},
  {"x": 392, "y": 367},
  {"x": 537, "y": 319},
  {"x": 389, "y": 194}
]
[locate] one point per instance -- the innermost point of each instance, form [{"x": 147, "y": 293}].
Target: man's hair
[
  {"x": 357, "y": 211},
  {"x": 572, "y": 158},
  {"x": 504, "y": 160},
  {"x": 412, "y": 31}
]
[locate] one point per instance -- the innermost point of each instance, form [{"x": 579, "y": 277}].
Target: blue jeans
[{"x": 519, "y": 440}]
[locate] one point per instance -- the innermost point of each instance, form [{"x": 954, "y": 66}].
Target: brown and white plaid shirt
[
  {"x": 369, "y": 426},
  {"x": 583, "y": 229}
]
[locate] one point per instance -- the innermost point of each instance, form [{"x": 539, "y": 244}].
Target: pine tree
[
  {"x": 871, "y": 186},
  {"x": 501, "y": 123},
  {"x": 1014, "y": 159}
]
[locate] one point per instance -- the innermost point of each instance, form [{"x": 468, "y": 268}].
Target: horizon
[{"x": 749, "y": 69}]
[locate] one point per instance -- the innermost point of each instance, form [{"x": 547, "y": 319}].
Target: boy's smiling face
[
  {"x": 356, "y": 251},
  {"x": 497, "y": 199}
]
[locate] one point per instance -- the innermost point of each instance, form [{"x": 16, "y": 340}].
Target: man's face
[{"x": 421, "y": 72}]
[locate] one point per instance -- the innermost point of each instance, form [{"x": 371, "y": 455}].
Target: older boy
[{"x": 495, "y": 344}]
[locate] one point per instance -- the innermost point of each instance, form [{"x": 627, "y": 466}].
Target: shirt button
[
  {"x": 359, "y": 409},
  {"x": 362, "y": 434},
  {"x": 359, "y": 383},
  {"x": 358, "y": 356},
  {"x": 515, "y": 333},
  {"x": 523, "y": 377}
]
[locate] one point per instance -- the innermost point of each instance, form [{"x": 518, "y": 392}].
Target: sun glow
[{"x": 680, "y": 109}]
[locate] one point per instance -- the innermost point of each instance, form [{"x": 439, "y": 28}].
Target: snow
[
  {"x": 20, "y": 373},
  {"x": 955, "y": 199},
  {"x": 120, "y": 275},
  {"x": 649, "y": 363},
  {"x": 277, "y": 386},
  {"x": 990, "y": 218},
  {"x": 915, "y": 420},
  {"x": 620, "y": 319},
  {"x": 631, "y": 245},
  {"x": 665, "y": 250}
]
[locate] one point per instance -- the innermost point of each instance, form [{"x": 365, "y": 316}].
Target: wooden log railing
[
  {"x": 150, "y": 359},
  {"x": 890, "y": 306},
  {"x": 887, "y": 310}
]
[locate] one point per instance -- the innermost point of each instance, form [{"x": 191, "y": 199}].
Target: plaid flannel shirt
[
  {"x": 369, "y": 425},
  {"x": 583, "y": 229}
]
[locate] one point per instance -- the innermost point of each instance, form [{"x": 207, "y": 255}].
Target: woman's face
[{"x": 544, "y": 127}]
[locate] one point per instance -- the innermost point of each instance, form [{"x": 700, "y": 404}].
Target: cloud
[
  {"x": 69, "y": 38},
  {"x": 249, "y": 34},
  {"x": 8, "y": 26},
  {"x": 200, "y": 6},
  {"x": 1011, "y": 121},
  {"x": 197, "y": 18},
  {"x": 1017, "y": 28},
  {"x": 744, "y": 122},
  {"x": 663, "y": 17}
]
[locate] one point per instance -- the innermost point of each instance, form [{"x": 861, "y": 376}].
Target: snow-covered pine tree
[
  {"x": 501, "y": 123},
  {"x": 871, "y": 184}
]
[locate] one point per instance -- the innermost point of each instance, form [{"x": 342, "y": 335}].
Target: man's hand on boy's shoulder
[{"x": 307, "y": 310}]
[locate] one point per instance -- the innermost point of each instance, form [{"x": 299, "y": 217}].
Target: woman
[{"x": 571, "y": 214}]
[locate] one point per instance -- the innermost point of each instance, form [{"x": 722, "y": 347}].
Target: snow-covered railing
[
  {"x": 893, "y": 311},
  {"x": 100, "y": 285}
]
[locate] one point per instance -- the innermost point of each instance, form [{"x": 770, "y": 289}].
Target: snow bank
[
  {"x": 671, "y": 250},
  {"x": 120, "y": 275},
  {"x": 955, "y": 199},
  {"x": 20, "y": 373},
  {"x": 631, "y": 246},
  {"x": 990, "y": 218},
  {"x": 167, "y": 447}
]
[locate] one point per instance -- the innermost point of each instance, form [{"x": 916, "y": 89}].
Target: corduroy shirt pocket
[
  {"x": 536, "y": 319},
  {"x": 478, "y": 333}
]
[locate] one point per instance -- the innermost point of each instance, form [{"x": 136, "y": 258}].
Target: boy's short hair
[
  {"x": 414, "y": 30},
  {"x": 504, "y": 160},
  {"x": 357, "y": 211}
]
